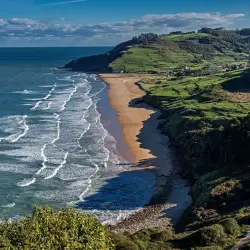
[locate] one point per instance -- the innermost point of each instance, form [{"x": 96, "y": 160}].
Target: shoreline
[{"x": 138, "y": 121}]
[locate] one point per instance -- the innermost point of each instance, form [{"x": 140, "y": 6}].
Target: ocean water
[{"x": 60, "y": 143}]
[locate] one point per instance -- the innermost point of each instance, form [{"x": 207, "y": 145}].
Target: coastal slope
[{"x": 208, "y": 49}]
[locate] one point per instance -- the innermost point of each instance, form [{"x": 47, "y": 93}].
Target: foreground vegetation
[
  {"x": 69, "y": 229},
  {"x": 49, "y": 229}
]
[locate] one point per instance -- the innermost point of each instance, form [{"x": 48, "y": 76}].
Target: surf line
[
  {"x": 44, "y": 98},
  {"x": 84, "y": 116},
  {"x": 57, "y": 169},
  {"x": 104, "y": 163},
  {"x": 48, "y": 106},
  {"x": 44, "y": 166},
  {"x": 69, "y": 98},
  {"x": 26, "y": 128},
  {"x": 81, "y": 197}
]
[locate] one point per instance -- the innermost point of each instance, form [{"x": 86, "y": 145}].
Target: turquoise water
[{"x": 59, "y": 139}]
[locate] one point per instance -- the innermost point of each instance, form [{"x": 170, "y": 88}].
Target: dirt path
[{"x": 241, "y": 243}]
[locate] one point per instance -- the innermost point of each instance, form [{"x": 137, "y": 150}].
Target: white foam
[
  {"x": 82, "y": 134},
  {"x": 36, "y": 105},
  {"x": 57, "y": 169},
  {"x": 69, "y": 98},
  {"x": 25, "y": 91},
  {"x": 89, "y": 183},
  {"x": 9, "y": 205},
  {"x": 58, "y": 129},
  {"x": 25, "y": 127},
  {"x": 44, "y": 166},
  {"x": 48, "y": 106},
  {"x": 44, "y": 160},
  {"x": 26, "y": 182},
  {"x": 44, "y": 98}
]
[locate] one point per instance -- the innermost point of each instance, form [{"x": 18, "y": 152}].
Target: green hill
[{"x": 150, "y": 53}]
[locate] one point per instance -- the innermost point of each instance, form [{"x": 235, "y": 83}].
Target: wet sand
[{"x": 148, "y": 147}]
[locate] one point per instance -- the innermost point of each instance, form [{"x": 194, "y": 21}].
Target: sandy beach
[
  {"x": 139, "y": 125},
  {"x": 148, "y": 147}
]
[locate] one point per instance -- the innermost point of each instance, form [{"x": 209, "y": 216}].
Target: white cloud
[
  {"x": 66, "y": 2},
  {"x": 29, "y": 29}
]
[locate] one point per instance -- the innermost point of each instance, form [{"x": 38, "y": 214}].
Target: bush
[
  {"x": 143, "y": 235},
  {"x": 212, "y": 236},
  {"x": 164, "y": 235},
  {"x": 123, "y": 242},
  {"x": 231, "y": 226},
  {"x": 49, "y": 229}
]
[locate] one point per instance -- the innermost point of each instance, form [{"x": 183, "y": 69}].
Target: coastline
[
  {"x": 138, "y": 121},
  {"x": 152, "y": 153}
]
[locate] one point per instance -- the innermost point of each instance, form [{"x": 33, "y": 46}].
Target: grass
[
  {"x": 164, "y": 57},
  {"x": 138, "y": 59},
  {"x": 175, "y": 51},
  {"x": 204, "y": 95},
  {"x": 198, "y": 51},
  {"x": 183, "y": 37}
]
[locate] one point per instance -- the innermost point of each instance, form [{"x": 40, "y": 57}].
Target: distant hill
[{"x": 150, "y": 53}]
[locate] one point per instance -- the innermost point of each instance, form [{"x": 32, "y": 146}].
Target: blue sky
[{"x": 107, "y": 22}]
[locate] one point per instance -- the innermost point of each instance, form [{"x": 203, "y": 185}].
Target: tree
[{"x": 231, "y": 226}]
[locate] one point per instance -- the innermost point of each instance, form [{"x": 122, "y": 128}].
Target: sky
[{"x": 108, "y": 22}]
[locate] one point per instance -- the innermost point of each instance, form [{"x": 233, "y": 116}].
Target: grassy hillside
[
  {"x": 208, "y": 120},
  {"x": 173, "y": 51}
]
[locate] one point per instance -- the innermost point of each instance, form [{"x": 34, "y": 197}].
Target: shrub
[
  {"x": 226, "y": 187},
  {"x": 231, "y": 226},
  {"x": 143, "y": 235},
  {"x": 164, "y": 235},
  {"x": 123, "y": 242},
  {"x": 49, "y": 229},
  {"x": 212, "y": 235}
]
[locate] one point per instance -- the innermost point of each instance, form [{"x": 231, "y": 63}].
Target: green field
[
  {"x": 203, "y": 97},
  {"x": 183, "y": 37},
  {"x": 176, "y": 52}
]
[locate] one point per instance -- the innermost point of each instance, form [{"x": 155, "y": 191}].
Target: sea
[{"x": 60, "y": 141}]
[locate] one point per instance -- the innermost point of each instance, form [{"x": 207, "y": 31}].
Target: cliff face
[{"x": 99, "y": 63}]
